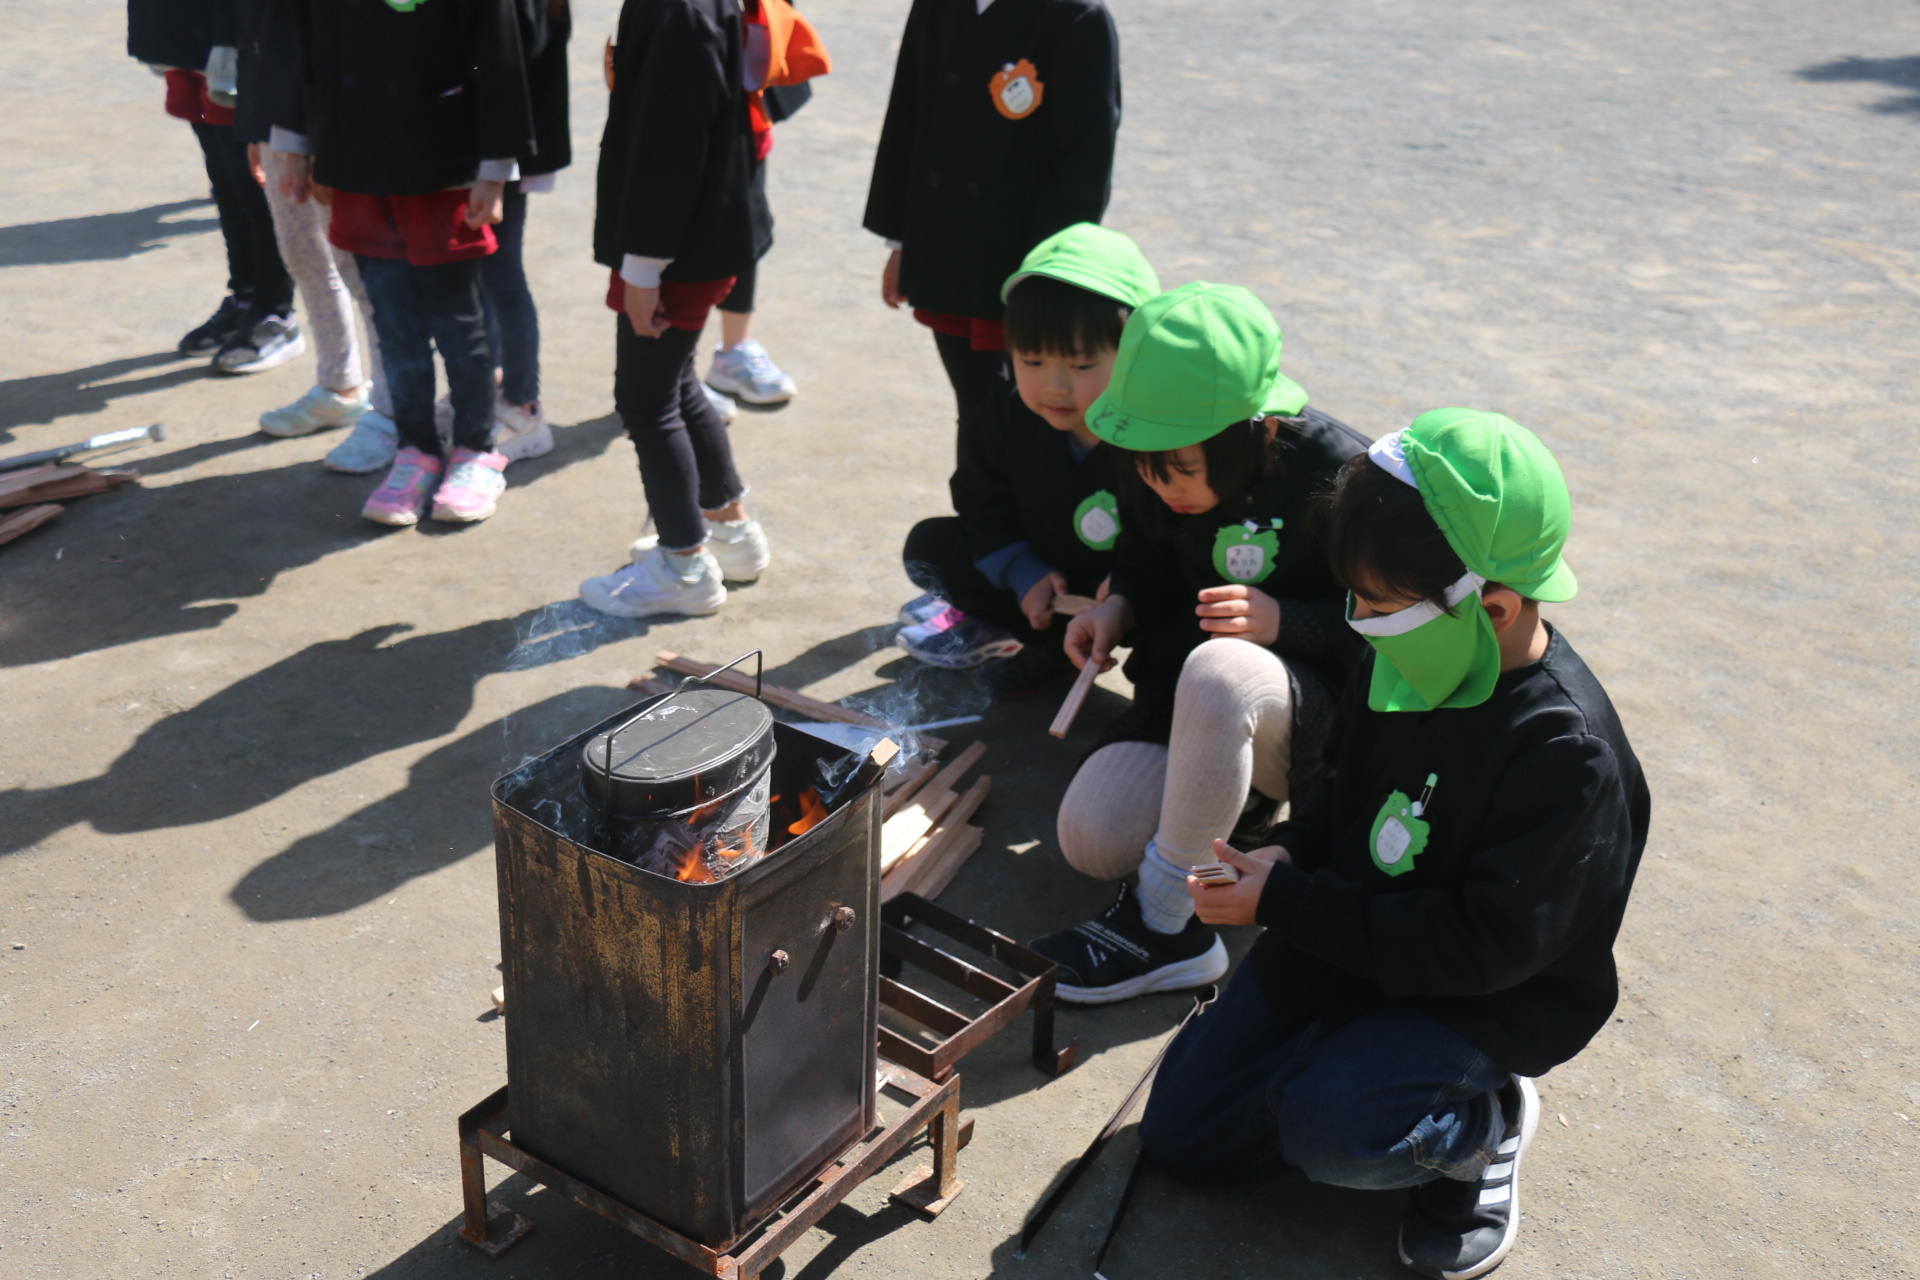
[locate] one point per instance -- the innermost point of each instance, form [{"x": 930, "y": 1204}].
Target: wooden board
[
  {"x": 939, "y": 855},
  {"x": 916, "y": 819},
  {"x": 54, "y": 483},
  {"x": 28, "y": 520},
  {"x": 1075, "y": 699}
]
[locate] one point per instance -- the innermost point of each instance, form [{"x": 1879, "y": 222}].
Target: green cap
[
  {"x": 1192, "y": 362},
  {"x": 1497, "y": 495},
  {"x": 1088, "y": 256}
]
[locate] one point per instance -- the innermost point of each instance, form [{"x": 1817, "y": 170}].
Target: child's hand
[
  {"x": 1092, "y": 636},
  {"x": 485, "y": 204},
  {"x": 890, "y": 282},
  {"x": 1037, "y": 604},
  {"x": 644, "y": 312},
  {"x": 253, "y": 165},
  {"x": 1236, "y": 903},
  {"x": 1243, "y": 612},
  {"x": 296, "y": 180}
]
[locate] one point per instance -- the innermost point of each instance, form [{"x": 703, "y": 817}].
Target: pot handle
[{"x": 759, "y": 665}]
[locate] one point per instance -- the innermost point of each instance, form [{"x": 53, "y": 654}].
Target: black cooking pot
[{"x": 682, "y": 752}]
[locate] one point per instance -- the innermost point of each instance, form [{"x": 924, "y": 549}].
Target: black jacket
[
  {"x": 676, "y": 159},
  {"x": 411, "y": 103},
  {"x": 178, "y": 33},
  {"x": 544, "y": 31},
  {"x": 270, "y": 70},
  {"x": 1503, "y": 928},
  {"x": 1163, "y": 560},
  {"x": 1016, "y": 480},
  {"x": 966, "y": 191}
]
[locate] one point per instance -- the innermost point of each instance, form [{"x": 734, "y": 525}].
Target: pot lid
[{"x": 682, "y": 751}]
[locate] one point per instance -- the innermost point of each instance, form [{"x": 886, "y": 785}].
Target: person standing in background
[
  {"x": 1000, "y": 131},
  {"x": 194, "y": 45}
]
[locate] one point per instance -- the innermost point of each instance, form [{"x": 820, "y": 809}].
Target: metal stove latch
[{"x": 843, "y": 918}]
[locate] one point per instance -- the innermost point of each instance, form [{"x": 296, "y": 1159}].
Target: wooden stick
[
  {"x": 903, "y": 790},
  {"x": 738, "y": 681},
  {"x": 924, "y": 859},
  {"x": 25, "y": 521},
  {"x": 900, "y": 833},
  {"x": 934, "y": 881},
  {"x": 1077, "y": 695},
  {"x": 69, "y": 482},
  {"x": 1071, "y": 606}
]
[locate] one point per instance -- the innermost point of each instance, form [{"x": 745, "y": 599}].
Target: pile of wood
[
  {"x": 925, "y": 833},
  {"x": 31, "y": 496}
]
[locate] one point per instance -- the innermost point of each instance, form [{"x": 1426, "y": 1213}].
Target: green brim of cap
[
  {"x": 1553, "y": 589},
  {"x": 1286, "y": 399}
]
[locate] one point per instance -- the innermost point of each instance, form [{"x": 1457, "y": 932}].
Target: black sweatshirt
[
  {"x": 677, "y": 157},
  {"x": 544, "y": 32},
  {"x": 178, "y": 33},
  {"x": 1018, "y": 481},
  {"x": 1163, "y": 560},
  {"x": 967, "y": 191},
  {"x": 411, "y": 103},
  {"x": 1502, "y": 926}
]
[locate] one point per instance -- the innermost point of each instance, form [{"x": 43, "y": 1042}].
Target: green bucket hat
[
  {"x": 1088, "y": 256},
  {"x": 1496, "y": 493},
  {"x": 1192, "y": 362}
]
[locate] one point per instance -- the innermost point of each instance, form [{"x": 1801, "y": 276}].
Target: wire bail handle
[{"x": 606, "y": 792}]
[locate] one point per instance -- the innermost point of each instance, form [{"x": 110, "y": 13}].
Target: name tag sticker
[{"x": 1017, "y": 90}]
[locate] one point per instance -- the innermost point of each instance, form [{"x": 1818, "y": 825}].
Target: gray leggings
[{"x": 329, "y": 285}]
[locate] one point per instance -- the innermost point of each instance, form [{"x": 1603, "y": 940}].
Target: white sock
[
  {"x": 686, "y": 565},
  {"x": 728, "y": 530},
  {"x": 1165, "y": 904}
]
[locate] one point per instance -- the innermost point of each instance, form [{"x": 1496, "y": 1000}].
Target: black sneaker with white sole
[
  {"x": 1458, "y": 1230},
  {"x": 220, "y": 329},
  {"x": 1116, "y": 957},
  {"x": 264, "y": 343}
]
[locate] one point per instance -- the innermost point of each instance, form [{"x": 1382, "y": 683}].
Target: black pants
[
  {"x": 255, "y": 274},
  {"x": 739, "y": 302},
  {"x": 938, "y": 560},
  {"x": 974, "y": 374},
  {"x": 416, "y": 309},
  {"x": 686, "y": 459}
]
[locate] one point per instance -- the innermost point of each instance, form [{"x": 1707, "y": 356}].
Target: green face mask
[{"x": 1434, "y": 657}]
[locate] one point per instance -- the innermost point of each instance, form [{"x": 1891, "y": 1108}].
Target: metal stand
[
  {"x": 494, "y": 1229},
  {"x": 963, "y": 1035}
]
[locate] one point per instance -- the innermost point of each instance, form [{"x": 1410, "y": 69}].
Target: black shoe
[
  {"x": 220, "y": 329},
  {"x": 1458, "y": 1230},
  {"x": 1035, "y": 669},
  {"x": 1116, "y": 957},
  {"x": 262, "y": 344},
  {"x": 1257, "y": 818}
]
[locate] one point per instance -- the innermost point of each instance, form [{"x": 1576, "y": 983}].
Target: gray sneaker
[
  {"x": 266, "y": 344},
  {"x": 1459, "y": 1230},
  {"x": 746, "y": 372}
]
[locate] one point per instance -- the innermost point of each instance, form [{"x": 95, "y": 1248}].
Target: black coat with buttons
[
  {"x": 968, "y": 191},
  {"x": 411, "y": 103}
]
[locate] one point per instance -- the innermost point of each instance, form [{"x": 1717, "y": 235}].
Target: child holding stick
[
  {"x": 1440, "y": 918},
  {"x": 1033, "y": 491},
  {"x": 1221, "y": 586}
]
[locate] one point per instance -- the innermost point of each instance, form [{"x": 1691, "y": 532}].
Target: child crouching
[
  {"x": 1033, "y": 489},
  {"x": 1440, "y": 920}
]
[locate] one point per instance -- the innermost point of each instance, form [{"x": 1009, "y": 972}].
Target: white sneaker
[
  {"x": 520, "y": 433},
  {"x": 747, "y": 371},
  {"x": 722, "y": 405},
  {"x": 648, "y": 587},
  {"x": 743, "y": 559},
  {"x": 314, "y": 411},
  {"x": 370, "y": 448}
]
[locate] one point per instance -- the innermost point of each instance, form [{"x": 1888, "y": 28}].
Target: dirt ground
[{"x": 247, "y": 909}]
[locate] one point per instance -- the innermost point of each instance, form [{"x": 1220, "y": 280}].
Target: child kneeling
[
  {"x": 1033, "y": 489},
  {"x": 1440, "y": 920}
]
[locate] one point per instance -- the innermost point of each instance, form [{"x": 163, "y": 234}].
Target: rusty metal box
[{"x": 657, "y": 1047}]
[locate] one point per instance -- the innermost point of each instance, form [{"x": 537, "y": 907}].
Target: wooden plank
[
  {"x": 786, "y": 699},
  {"x": 27, "y": 520},
  {"x": 904, "y": 789},
  {"x": 1071, "y": 606},
  {"x": 905, "y": 870},
  {"x": 77, "y": 484},
  {"x": 1076, "y": 697},
  {"x": 902, "y": 831},
  {"x": 932, "y": 881},
  {"x": 27, "y": 477}
]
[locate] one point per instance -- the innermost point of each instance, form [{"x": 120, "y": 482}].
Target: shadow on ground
[
  {"x": 1902, "y": 73},
  {"x": 100, "y": 237},
  {"x": 48, "y": 397},
  {"x": 126, "y": 546}
]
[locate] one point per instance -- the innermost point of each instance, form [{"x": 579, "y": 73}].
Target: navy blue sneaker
[
  {"x": 1116, "y": 957},
  {"x": 1459, "y": 1230},
  {"x": 956, "y": 641}
]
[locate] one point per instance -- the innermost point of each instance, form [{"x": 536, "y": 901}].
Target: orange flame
[
  {"x": 812, "y": 812},
  {"x": 692, "y": 867}
]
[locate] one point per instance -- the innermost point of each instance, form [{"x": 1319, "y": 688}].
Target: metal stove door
[{"x": 807, "y": 1043}]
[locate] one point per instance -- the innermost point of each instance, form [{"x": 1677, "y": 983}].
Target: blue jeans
[
  {"x": 1389, "y": 1099},
  {"x": 513, "y": 323},
  {"x": 416, "y": 309}
]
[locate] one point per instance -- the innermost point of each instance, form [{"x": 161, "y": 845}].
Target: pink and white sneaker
[
  {"x": 472, "y": 488},
  {"x": 403, "y": 496}
]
